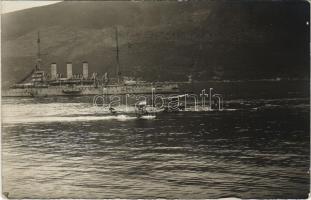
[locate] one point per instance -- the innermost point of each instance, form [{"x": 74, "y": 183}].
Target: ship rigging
[{"x": 40, "y": 83}]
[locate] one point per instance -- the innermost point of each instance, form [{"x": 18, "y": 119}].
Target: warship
[{"x": 42, "y": 84}]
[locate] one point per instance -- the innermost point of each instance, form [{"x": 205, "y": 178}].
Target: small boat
[
  {"x": 112, "y": 110},
  {"x": 141, "y": 111}
]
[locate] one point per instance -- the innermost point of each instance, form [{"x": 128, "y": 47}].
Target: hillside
[{"x": 245, "y": 40}]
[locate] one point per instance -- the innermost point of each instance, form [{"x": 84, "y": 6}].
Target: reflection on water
[{"x": 70, "y": 149}]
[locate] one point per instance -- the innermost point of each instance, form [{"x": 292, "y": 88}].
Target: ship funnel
[
  {"x": 85, "y": 70},
  {"x": 69, "y": 70},
  {"x": 53, "y": 71}
]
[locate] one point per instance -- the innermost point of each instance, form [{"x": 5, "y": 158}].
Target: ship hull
[{"x": 91, "y": 90}]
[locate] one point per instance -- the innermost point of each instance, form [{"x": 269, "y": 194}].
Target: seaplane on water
[{"x": 141, "y": 110}]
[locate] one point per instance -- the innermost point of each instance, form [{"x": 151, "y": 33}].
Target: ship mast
[
  {"x": 38, "y": 64},
  {"x": 117, "y": 56}
]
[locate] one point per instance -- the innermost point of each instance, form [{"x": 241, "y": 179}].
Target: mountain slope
[{"x": 246, "y": 40}]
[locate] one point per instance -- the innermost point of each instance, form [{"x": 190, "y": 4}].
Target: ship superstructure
[{"x": 40, "y": 83}]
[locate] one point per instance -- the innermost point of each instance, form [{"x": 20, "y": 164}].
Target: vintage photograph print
[{"x": 155, "y": 99}]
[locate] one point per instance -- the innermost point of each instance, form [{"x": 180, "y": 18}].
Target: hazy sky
[{"x": 10, "y": 6}]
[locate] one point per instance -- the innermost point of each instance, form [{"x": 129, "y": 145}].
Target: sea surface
[{"x": 69, "y": 148}]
